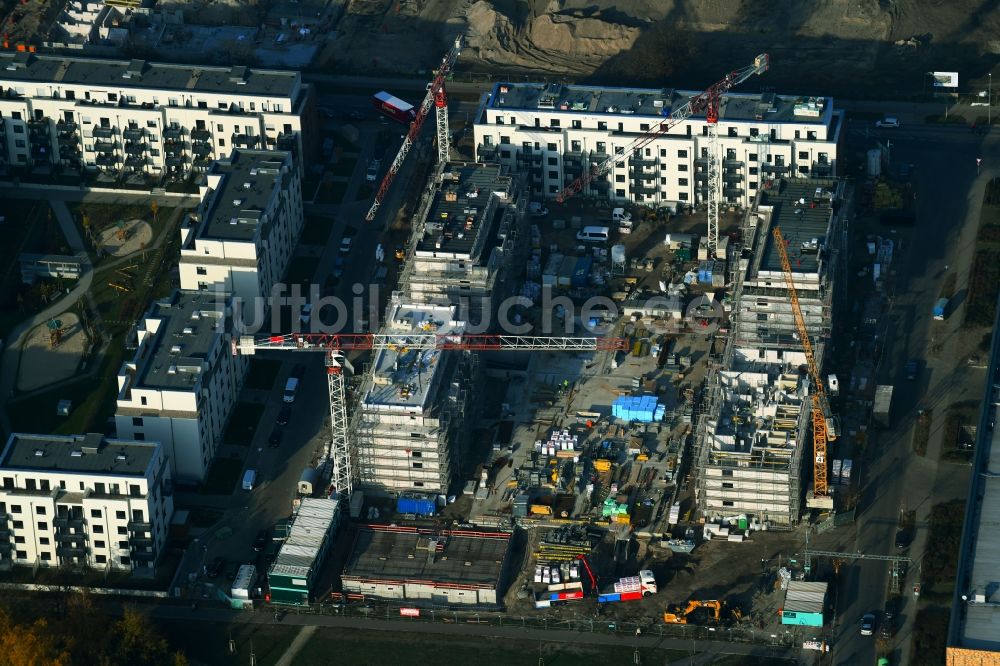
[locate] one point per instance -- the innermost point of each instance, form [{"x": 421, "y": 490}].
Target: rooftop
[
  {"x": 657, "y": 102},
  {"x": 310, "y": 527},
  {"x": 243, "y": 185},
  {"x": 189, "y": 324},
  {"x": 383, "y": 552},
  {"x": 92, "y": 453},
  {"x": 407, "y": 379},
  {"x": 120, "y": 74},
  {"x": 464, "y": 214},
  {"x": 802, "y": 209}
]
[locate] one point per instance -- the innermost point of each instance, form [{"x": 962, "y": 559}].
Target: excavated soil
[{"x": 842, "y": 47}]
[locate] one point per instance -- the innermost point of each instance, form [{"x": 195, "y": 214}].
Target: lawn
[
  {"x": 222, "y": 476},
  {"x": 344, "y": 167},
  {"x": 205, "y": 643},
  {"x": 243, "y": 423},
  {"x": 930, "y": 636},
  {"x": 984, "y": 280},
  {"x": 940, "y": 565},
  {"x": 317, "y": 230},
  {"x": 922, "y": 432},
  {"x": 958, "y": 440},
  {"x": 262, "y": 374}
]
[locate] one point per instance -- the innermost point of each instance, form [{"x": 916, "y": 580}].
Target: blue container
[
  {"x": 415, "y": 505},
  {"x": 609, "y": 598},
  {"x": 581, "y": 272}
]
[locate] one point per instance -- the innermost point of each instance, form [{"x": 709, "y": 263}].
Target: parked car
[
  {"x": 338, "y": 263},
  {"x": 902, "y": 538},
  {"x": 284, "y": 414},
  {"x": 867, "y": 624},
  {"x": 274, "y": 441},
  {"x": 911, "y": 369},
  {"x": 537, "y": 209},
  {"x": 345, "y": 244},
  {"x": 887, "y": 122},
  {"x": 216, "y": 568},
  {"x": 305, "y": 315},
  {"x": 885, "y": 628},
  {"x": 260, "y": 541},
  {"x": 372, "y": 174}
]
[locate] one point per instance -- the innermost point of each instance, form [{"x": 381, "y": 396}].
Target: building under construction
[
  {"x": 755, "y": 427},
  {"x": 442, "y": 567},
  {"x": 468, "y": 239},
  {"x": 409, "y": 427}
]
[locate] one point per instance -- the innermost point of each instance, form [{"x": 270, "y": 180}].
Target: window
[
  {"x": 575, "y": 146},
  {"x": 753, "y": 184},
  {"x": 553, "y": 122},
  {"x": 40, "y": 510},
  {"x": 553, "y": 161},
  {"x": 551, "y": 146},
  {"x": 222, "y": 143},
  {"x": 553, "y": 189},
  {"x": 803, "y": 154},
  {"x": 97, "y": 529},
  {"x": 682, "y": 167},
  {"x": 418, "y": 465},
  {"x": 753, "y": 171},
  {"x": 727, "y": 472},
  {"x": 577, "y": 124},
  {"x": 704, "y": 130},
  {"x": 663, "y": 181},
  {"x": 122, "y": 530},
  {"x": 601, "y": 125},
  {"x": 811, "y": 135},
  {"x": 112, "y": 97},
  {"x": 504, "y": 140},
  {"x": 823, "y": 157},
  {"x": 15, "y": 508},
  {"x": 42, "y": 526},
  {"x": 752, "y": 157},
  {"x": 620, "y": 193},
  {"x": 18, "y": 524},
  {"x": 46, "y": 556},
  {"x": 43, "y": 541},
  {"x": 683, "y": 196},
  {"x": 126, "y": 561},
  {"x": 499, "y": 120},
  {"x": 643, "y": 127},
  {"x": 505, "y": 154},
  {"x": 100, "y": 559},
  {"x": 123, "y": 544},
  {"x": 729, "y": 485},
  {"x": 18, "y": 539},
  {"x": 417, "y": 454},
  {"x": 95, "y": 513},
  {"x": 418, "y": 484},
  {"x": 202, "y": 270},
  {"x": 620, "y": 178},
  {"x": 553, "y": 174},
  {"x": 142, "y": 400},
  {"x": 137, "y": 421},
  {"x": 727, "y": 503},
  {"x": 682, "y": 182},
  {"x": 120, "y": 515},
  {"x": 803, "y": 169},
  {"x": 21, "y": 554},
  {"x": 682, "y": 153},
  {"x": 732, "y": 131},
  {"x": 602, "y": 147}
]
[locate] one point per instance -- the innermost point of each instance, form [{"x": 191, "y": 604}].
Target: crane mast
[
  {"x": 822, "y": 433},
  {"x": 435, "y": 93},
  {"x": 334, "y": 346},
  {"x": 704, "y": 102}
]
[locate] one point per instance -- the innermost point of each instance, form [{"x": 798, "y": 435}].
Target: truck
[
  {"x": 559, "y": 592},
  {"x": 393, "y": 107},
  {"x": 630, "y": 588},
  {"x": 941, "y": 309},
  {"x": 883, "y": 406}
]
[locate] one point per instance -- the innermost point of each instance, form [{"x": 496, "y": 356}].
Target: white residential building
[
  {"x": 181, "y": 384},
  {"x": 243, "y": 234},
  {"x": 84, "y": 500},
  {"x": 123, "y": 116},
  {"x": 554, "y": 132}
]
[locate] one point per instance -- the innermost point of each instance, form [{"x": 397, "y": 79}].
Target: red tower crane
[
  {"x": 706, "y": 102},
  {"x": 435, "y": 94}
]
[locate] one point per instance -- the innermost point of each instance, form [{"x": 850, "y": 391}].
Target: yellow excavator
[{"x": 678, "y": 615}]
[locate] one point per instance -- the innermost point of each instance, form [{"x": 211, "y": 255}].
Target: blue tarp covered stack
[{"x": 643, "y": 408}]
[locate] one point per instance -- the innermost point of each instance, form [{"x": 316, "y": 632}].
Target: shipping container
[
  {"x": 420, "y": 506},
  {"x": 393, "y": 107},
  {"x": 941, "y": 309},
  {"x": 881, "y": 410}
]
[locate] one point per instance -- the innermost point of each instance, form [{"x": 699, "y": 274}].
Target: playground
[
  {"x": 52, "y": 352},
  {"x": 125, "y": 237}
]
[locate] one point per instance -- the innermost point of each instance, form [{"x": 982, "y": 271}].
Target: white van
[
  {"x": 290, "y": 387},
  {"x": 593, "y": 234},
  {"x": 249, "y": 477}
]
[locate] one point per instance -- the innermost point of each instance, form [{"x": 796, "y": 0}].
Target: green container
[{"x": 743, "y": 523}]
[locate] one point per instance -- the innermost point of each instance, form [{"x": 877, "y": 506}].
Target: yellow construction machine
[{"x": 678, "y": 615}]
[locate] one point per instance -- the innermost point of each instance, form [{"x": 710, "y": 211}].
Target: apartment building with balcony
[
  {"x": 242, "y": 235},
  {"x": 181, "y": 384},
  {"x": 136, "y": 117},
  {"x": 468, "y": 238},
  {"x": 554, "y": 133},
  {"x": 83, "y": 500}
]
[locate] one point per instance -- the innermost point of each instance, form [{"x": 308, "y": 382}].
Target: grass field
[
  {"x": 209, "y": 644},
  {"x": 242, "y": 424},
  {"x": 317, "y": 229},
  {"x": 222, "y": 476}
]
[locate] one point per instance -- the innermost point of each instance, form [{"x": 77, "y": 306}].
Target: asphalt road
[{"x": 893, "y": 477}]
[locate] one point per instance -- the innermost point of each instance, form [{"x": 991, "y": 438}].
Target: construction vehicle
[
  {"x": 335, "y": 347},
  {"x": 823, "y": 426},
  {"x": 706, "y": 102},
  {"x": 679, "y": 615},
  {"x": 590, "y": 572},
  {"x": 437, "y": 97}
]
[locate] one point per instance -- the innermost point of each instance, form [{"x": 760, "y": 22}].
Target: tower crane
[
  {"x": 335, "y": 346},
  {"x": 706, "y": 102},
  {"x": 822, "y": 420},
  {"x": 436, "y": 97}
]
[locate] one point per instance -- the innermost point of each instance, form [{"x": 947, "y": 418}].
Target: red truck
[{"x": 394, "y": 107}]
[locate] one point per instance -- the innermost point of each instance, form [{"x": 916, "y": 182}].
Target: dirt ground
[
  {"x": 41, "y": 364},
  {"x": 841, "y": 47}
]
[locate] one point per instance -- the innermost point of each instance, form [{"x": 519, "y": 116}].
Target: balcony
[
  {"x": 134, "y": 162},
  {"x": 40, "y": 139},
  {"x": 71, "y": 551},
  {"x": 172, "y": 133},
  {"x": 288, "y": 141},
  {"x": 201, "y": 149},
  {"x": 6, "y": 546},
  {"x": 528, "y": 157},
  {"x": 701, "y": 161},
  {"x": 64, "y": 522},
  {"x": 777, "y": 169},
  {"x": 730, "y": 163},
  {"x": 139, "y": 526},
  {"x": 174, "y": 148},
  {"x": 135, "y": 148},
  {"x": 107, "y": 161},
  {"x": 700, "y": 176},
  {"x": 644, "y": 189},
  {"x": 202, "y": 162},
  {"x": 200, "y": 134},
  {"x": 733, "y": 192},
  {"x": 105, "y": 146},
  {"x": 71, "y": 538},
  {"x": 175, "y": 162},
  {"x": 41, "y": 153},
  {"x": 38, "y": 125},
  {"x": 143, "y": 556},
  {"x": 103, "y": 132},
  {"x": 133, "y": 133},
  {"x": 822, "y": 169},
  {"x": 69, "y": 152},
  {"x": 640, "y": 161},
  {"x": 245, "y": 140},
  {"x": 600, "y": 184},
  {"x": 643, "y": 175},
  {"x": 487, "y": 153},
  {"x": 732, "y": 176}
]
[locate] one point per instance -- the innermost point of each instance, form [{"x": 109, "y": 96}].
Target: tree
[
  {"x": 28, "y": 645},
  {"x": 138, "y": 643}
]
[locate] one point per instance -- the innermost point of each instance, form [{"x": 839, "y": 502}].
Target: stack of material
[
  {"x": 612, "y": 509},
  {"x": 521, "y": 505},
  {"x": 644, "y": 409},
  {"x": 559, "y": 440},
  {"x": 840, "y": 475}
]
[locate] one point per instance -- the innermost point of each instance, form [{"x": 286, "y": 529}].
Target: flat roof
[
  {"x": 90, "y": 453},
  {"x": 239, "y": 202},
  {"x": 311, "y": 524},
  {"x": 236, "y": 80},
  {"x": 387, "y": 553},
  {"x": 656, "y": 102},
  {"x": 180, "y": 346},
  {"x": 465, "y": 208},
  {"x": 406, "y": 378},
  {"x": 805, "y": 596},
  {"x": 803, "y": 210}
]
